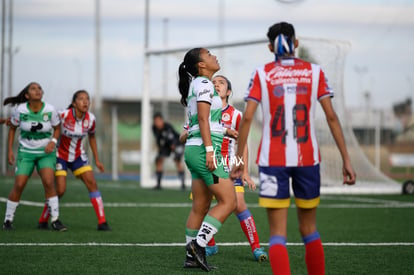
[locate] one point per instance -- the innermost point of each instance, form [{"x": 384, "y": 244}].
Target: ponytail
[
  {"x": 20, "y": 98},
  {"x": 283, "y": 45},
  {"x": 183, "y": 83},
  {"x": 187, "y": 70}
]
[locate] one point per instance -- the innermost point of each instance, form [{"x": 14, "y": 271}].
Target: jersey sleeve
[
  {"x": 205, "y": 91},
  {"x": 323, "y": 87},
  {"x": 15, "y": 117},
  {"x": 254, "y": 90},
  {"x": 186, "y": 126},
  {"x": 55, "y": 120},
  {"x": 92, "y": 129},
  {"x": 237, "y": 119}
]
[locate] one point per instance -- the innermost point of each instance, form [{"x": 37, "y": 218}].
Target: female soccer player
[
  {"x": 230, "y": 119},
  {"x": 288, "y": 90},
  {"x": 77, "y": 123},
  {"x": 39, "y": 130},
  {"x": 203, "y": 154}
]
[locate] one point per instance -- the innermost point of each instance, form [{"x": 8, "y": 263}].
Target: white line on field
[
  {"x": 381, "y": 204},
  {"x": 182, "y": 244}
]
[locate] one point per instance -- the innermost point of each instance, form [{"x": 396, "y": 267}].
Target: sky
[{"x": 54, "y": 44}]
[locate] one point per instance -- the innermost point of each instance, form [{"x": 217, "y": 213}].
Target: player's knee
[
  {"x": 306, "y": 229},
  {"x": 60, "y": 192},
  {"x": 241, "y": 206}
]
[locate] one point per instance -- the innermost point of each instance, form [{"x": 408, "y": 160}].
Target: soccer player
[
  {"x": 77, "y": 123},
  {"x": 39, "y": 130},
  {"x": 167, "y": 141},
  {"x": 202, "y": 154},
  {"x": 288, "y": 89},
  {"x": 230, "y": 119}
]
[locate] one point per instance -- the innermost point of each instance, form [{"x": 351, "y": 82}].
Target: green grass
[{"x": 352, "y": 229}]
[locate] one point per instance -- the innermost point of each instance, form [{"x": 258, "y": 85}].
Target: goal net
[{"x": 238, "y": 60}]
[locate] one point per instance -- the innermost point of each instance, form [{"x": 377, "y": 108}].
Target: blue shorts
[
  {"x": 79, "y": 166},
  {"x": 275, "y": 189},
  {"x": 238, "y": 185}
]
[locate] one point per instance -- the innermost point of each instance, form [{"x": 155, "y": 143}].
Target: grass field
[{"x": 362, "y": 234}]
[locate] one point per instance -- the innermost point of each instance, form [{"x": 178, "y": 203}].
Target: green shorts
[
  {"x": 27, "y": 161},
  {"x": 195, "y": 159}
]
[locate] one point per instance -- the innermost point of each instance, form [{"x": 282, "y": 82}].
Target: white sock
[
  {"x": 188, "y": 239},
  {"x": 53, "y": 203},
  {"x": 10, "y": 210},
  {"x": 206, "y": 233}
]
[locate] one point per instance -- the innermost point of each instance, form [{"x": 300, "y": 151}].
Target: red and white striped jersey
[
  {"x": 73, "y": 131},
  {"x": 288, "y": 91},
  {"x": 230, "y": 119}
]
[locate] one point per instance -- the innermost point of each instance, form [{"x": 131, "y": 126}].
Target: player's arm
[
  {"x": 51, "y": 146},
  {"x": 94, "y": 149},
  {"x": 10, "y": 141},
  {"x": 203, "y": 109},
  {"x": 246, "y": 177},
  {"x": 348, "y": 172}
]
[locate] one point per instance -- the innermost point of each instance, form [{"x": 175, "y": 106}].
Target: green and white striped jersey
[
  {"x": 202, "y": 89},
  {"x": 36, "y": 129}
]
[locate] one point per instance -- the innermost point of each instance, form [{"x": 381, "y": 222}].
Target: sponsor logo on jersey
[{"x": 205, "y": 91}]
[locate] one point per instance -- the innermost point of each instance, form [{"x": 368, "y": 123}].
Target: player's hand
[
  {"x": 100, "y": 166},
  {"x": 50, "y": 147},
  {"x": 210, "y": 161},
  {"x": 237, "y": 171},
  {"x": 232, "y": 133},
  {"x": 11, "y": 157},
  {"x": 348, "y": 174},
  {"x": 246, "y": 179}
]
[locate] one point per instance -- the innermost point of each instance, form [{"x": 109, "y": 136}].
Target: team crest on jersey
[
  {"x": 225, "y": 117},
  {"x": 279, "y": 91},
  {"x": 86, "y": 123},
  {"x": 45, "y": 117}
]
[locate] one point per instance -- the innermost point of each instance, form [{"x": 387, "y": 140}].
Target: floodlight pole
[
  {"x": 145, "y": 106},
  {"x": 2, "y": 95}
]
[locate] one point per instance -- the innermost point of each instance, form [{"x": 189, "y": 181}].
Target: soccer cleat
[
  {"x": 43, "y": 226},
  {"x": 58, "y": 226},
  {"x": 7, "y": 226},
  {"x": 191, "y": 263},
  {"x": 199, "y": 254},
  {"x": 260, "y": 255},
  {"x": 211, "y": 250},
  {"x": 104, "y": 227}
]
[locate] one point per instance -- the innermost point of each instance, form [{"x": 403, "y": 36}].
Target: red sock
[
  {"x": 314, "y": 257},
  {"x": 212, "y": 242},
  {"x": 99, "y": 209},
  {"x": 249, "y": 228},
  {"x": 279, "y": 259},
  {"x": 45, "y": 214}
]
